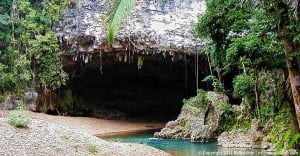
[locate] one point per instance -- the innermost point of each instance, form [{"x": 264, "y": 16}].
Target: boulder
[
  {"x": 253, "y": 138},
  {"x": 256, "y": 133},
  {"x": 7, "y": 104},
  {"x": 11, "y": 104},
  {"x": 235, "y": 139},
  {"x": 197, "y": 121},
  {"x": 30, "y": 100}
]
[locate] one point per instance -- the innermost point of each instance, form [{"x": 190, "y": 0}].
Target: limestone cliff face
[{"x": 152, "y": 27}]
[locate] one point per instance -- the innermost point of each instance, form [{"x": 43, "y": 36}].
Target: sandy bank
[
  {"x": 95, "y": 126},
  {"x": 56, "y": 135}
]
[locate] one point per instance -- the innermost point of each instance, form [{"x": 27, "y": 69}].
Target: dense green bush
[
  {"x": 201, "y": 96},
  {"x": 18, "y": 118},
  {"x": 199, "y": 101},
  {"x": 243, "y": 86},
  {"x": 29, "y": 49},
  {"x": 218, "y": 86}
]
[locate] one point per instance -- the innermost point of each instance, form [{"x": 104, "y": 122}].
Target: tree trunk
[
  {"x": 284, "y": 21},
  {"x": 292, "y": 70},
  {"x": 257, "y": 94}
]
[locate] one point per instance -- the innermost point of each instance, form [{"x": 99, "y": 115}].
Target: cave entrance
[{"x": 122, "y": 90}]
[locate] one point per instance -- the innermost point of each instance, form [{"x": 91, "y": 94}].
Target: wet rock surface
[{"x": 197, "y": 122}]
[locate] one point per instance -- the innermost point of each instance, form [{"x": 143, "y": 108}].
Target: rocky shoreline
[
  {"x": 46, "y": 138},
  {"x": 251, "y": 139},
  {"x": 200, "y": 120}
]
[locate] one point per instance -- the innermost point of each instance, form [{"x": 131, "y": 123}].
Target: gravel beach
[{"x": 50, "y": 138}]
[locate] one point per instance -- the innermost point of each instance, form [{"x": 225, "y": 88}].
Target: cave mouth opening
[{"x": 121, "y": 90}]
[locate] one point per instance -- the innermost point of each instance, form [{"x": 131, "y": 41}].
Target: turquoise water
[{"x": 181, "y": 147}]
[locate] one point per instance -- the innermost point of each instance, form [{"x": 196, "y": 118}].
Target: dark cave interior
[{"x": 154, "y": 92}]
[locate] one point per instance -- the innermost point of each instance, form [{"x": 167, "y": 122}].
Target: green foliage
[
  {"x": 198, "y": 101},
  {"x": 91, "y": 148},
  {"x": 18, "y": 118},
  {"x": 266, "y": 112},
  {"x": 241, "y": 122},
  {"x": 238, "y": 39},
  {"x": 292, "y": 141},
  {"x": 287, "y": 141},
  {"x": 118, "y": 11},
  {"x": 45, "y": 49},
  {"x": 201, "y": 96},
  {"x": 243, "y": 86},
  {"x": 283, "y": 132},
  {"x": 284, "y": 138},
  {"x": 221, "y": 19},
  {"x": 218, "y": 86},
  {"x": 246, "y": 37},
  {"x": 259, "y": 44},
  {"x": 228, "y": 116},
  {"x": 29, "y": 50}
]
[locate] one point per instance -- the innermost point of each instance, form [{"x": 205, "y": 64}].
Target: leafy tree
[
  {"x": 283, "y": 15},
  {"x": 242, "y": 40},
  {"x": 259, "y": 31},
  {"x": 233, "y": 33},
  {"x": 29, "y": 50}
]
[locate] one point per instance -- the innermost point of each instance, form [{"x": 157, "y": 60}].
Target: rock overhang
[
  {"x": 152, "y": 28},
  {"x": 157, "y": 36}
]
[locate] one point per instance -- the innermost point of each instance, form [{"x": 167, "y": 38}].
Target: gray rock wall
[{"x": 151, "y": 27}]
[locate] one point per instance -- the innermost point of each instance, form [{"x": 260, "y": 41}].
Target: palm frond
[{"x": 116, "y": 15}]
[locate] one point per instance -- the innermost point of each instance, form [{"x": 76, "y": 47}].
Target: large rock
[
  {"x": 197, "y": 121},
  {"x": 7, "y": 104},
  {"x": 253, "y": 138},
  {"x": 30, "y": 100},
  {"x": 10, "y": 103},
  {"x": 152, "y": 27},
  {"x": 235, "y": 139}
]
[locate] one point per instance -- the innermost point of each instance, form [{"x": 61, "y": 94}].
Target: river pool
[{"x": 183, "y": 147}]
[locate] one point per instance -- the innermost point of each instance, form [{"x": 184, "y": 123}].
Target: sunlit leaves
[{"x": 237, "y": 30}]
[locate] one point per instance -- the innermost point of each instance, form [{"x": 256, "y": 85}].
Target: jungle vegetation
[
  {"x": 29, "y": 49},
  {"x": 247, "y": 37},
  {"x": 243, "y": 39}
]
